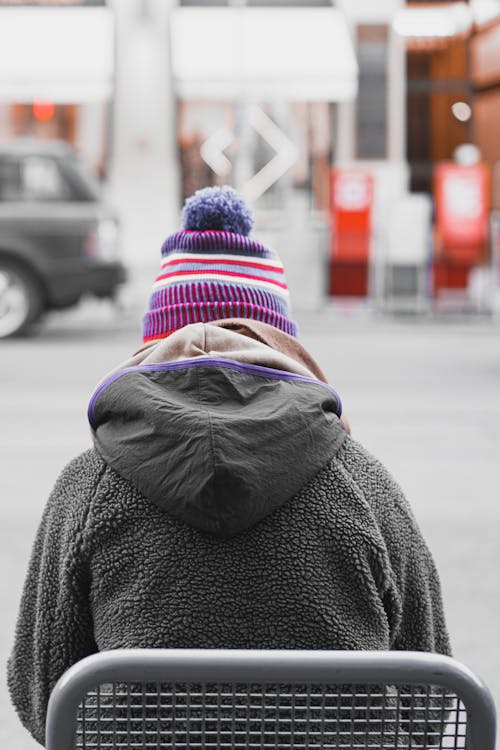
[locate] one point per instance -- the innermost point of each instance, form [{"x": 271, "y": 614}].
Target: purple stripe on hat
[
  {"x": 202, "y": 292},
  {"x": 163, "y": 321},
  {"x": 216, "y": 241}
]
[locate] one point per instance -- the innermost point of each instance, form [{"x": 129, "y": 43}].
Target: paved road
[{"x": 423, "y": 397}]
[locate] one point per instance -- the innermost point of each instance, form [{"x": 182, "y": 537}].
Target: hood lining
[{"x": 250, "y": 369}]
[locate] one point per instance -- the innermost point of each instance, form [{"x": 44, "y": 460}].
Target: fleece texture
[
  {"x": 224, "y": 505},
  {"x": 342, "y": 565}
]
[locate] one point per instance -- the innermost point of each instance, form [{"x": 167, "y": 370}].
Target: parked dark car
[{"x": 58, "y": 240}]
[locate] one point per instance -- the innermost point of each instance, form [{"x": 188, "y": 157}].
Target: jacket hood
[{"x": 215, "y": 426}]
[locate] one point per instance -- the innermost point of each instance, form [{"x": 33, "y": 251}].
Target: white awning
[
  {"x": 56, "y": 54},
  {"x": 263, "y": 53}
]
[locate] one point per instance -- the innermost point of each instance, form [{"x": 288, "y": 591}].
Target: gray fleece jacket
[{"x": 223, "y": 506}]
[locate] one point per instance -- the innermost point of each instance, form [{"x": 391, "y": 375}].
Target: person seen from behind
[{"x": 224, "y": 503}]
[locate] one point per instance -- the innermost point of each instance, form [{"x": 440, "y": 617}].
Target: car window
[
  {"x": 10, "y": 180},
  {"x": 32, "y": 178}
]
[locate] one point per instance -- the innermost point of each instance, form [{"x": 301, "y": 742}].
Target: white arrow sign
[
  {"x": 286, "y": 153},
  {"x": 212, "y": 151}
]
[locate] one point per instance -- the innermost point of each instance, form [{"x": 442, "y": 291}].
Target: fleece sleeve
[
  {"x": 54, "y": 626},
  {"x": 421, "y": 625},
  {"x": 413, "y": 601}
]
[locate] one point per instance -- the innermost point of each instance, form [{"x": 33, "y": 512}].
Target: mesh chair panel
[{"x": 178, "y": 716}]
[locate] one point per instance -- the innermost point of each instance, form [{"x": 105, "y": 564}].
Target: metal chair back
[{"x": 192, "y": 699}]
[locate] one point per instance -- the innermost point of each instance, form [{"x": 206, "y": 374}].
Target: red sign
[
  {"x": 462, "y": 203},
  {"x": 352, "y": 196},
  {"x": 352, "y": 191}
]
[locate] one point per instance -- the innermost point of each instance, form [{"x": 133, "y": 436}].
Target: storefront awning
[
  {"x": 56, "y": 54},
  {"x": 263, "y": 53}
]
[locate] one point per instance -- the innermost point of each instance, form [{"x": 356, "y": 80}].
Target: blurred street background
[{"x": 363, "y": 135}]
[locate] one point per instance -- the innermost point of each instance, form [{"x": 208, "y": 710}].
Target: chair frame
[{"x": 271, "y": 666}]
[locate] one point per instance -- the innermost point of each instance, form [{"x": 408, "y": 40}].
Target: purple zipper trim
[{"x": 231, "y": 364}]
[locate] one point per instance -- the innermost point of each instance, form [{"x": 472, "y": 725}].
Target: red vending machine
[
  {"x": 462, "y": 222},
  {"x": 352, "y": 199}
]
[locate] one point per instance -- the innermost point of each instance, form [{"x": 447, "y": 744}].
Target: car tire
[{"x": 21, "y": 299}]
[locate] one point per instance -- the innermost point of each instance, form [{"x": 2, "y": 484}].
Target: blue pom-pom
[{"x": 218, "y": 208}]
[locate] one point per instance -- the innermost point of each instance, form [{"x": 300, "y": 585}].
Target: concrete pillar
[
  {"x": 345, "y": 145},
  {"x": 380, "y": 12},
  {"x": 144, "y": 173},
  {"x": 396, "y": 106},
  {"x": 91, "y": 132}
]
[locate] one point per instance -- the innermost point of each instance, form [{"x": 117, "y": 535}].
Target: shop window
[
  {"x": 223, "y": 142},
  {"x": 371, "y": 109},
  {"x": 437, "y": 108},
  {"x": 44, "y": 121},
  {"x": 290, "y": 3},
  {"x": 213, "y": 3},
  {"x": 52, "y": 3},
  {"x": 262, "y": 3}
]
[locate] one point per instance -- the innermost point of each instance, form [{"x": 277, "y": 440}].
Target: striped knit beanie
[{"x": 212, "y": 270}]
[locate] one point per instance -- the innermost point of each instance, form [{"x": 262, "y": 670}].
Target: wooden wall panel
[
  {"x": 486, "y": 109},
  {"x": 485, "y": 56}
]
